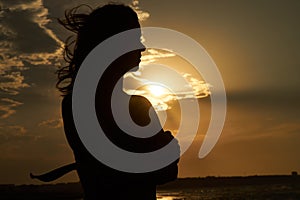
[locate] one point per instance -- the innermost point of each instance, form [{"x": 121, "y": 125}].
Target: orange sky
[{"x": 254, "y": 43}]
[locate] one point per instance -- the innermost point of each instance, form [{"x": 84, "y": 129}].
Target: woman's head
[{"x": 91, "y": 29}]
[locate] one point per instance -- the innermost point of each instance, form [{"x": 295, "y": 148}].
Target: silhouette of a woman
[{"x": 98, "y": 180}]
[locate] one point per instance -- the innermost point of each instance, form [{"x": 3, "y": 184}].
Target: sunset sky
[{"x": 255, "y": 45}]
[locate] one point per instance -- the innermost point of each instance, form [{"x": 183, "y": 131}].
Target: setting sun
[{"x": 157, "y": 90}]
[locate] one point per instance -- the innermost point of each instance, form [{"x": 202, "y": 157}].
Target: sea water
[{"x": 248, "y": 192}]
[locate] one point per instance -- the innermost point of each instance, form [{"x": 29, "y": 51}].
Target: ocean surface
[
  {"x": 264, "y": 192},
  {"x": 260, "y": 192},
  {"x": 210, "y": 188}
]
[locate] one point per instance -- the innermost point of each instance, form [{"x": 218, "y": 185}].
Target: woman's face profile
[{"x": 132, "y": 59}]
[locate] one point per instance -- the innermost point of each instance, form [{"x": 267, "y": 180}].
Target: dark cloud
[
  {"x": 23, "y": 26},
  {"x": 24, "y": 38},
  {"x": 25, "y": 33}
]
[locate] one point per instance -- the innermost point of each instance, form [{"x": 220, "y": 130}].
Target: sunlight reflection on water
[
  {"x": 169, "y": 196},
  {"x": 165, "y": 198}
]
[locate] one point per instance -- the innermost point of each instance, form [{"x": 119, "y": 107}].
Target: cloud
[
  {"x": 23, "y": 25},
  {"x": 7, "y": 107},
  {"x": 13, "y": 133},
  {"x": 200, "y": 88},
  {"x": 24, "y": 38},
  {"x": 14, "y": 130},
  {"x": 51, "y": 123},
  {"x": 161, "y": 86},
  {"x": 152, "y": 55},
  {"x": 143, "y": 15},
  {"x": 11, "y": 83},
  {"x": 13, "y": 138},
  {"x": 191, "y": 88}
]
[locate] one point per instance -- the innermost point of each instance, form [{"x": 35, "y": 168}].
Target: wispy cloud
[
  {"x": 152, "y": 55},
  {"x": 15, "y": 130},
  {"x": 12, "y": 82},
  {"x": 143, "y": 15},
  {"x": 7, "y": 107},
  {"x": 200, "y": 89},
  {"x": 13, "y": 138},
  {"x": 10, "y": 135},
  {"x": 51, "y": 123},
  {"x": 159, "y": 93}
]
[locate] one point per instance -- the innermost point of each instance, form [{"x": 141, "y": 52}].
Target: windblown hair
[{"x": 90, "y": 29}]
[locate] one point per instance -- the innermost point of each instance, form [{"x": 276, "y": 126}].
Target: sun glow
[
  {"x": 163, "y": 86},
  {"x": 156, "y": 90}
]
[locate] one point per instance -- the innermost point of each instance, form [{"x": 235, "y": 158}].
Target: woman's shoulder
[
  {"x": 140, "y": 100},
  {"x": 139, "y": 108}
]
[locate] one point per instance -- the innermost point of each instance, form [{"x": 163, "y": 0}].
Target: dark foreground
[{"x": 209, "y": 188}]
